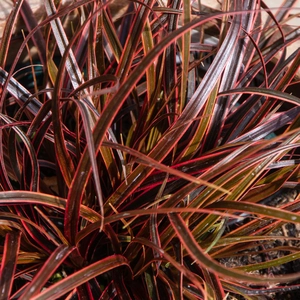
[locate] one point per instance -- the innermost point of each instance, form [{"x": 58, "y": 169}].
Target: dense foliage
[{"x": 139, "y": 145}]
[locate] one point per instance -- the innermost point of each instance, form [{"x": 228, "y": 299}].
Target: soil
[{"x": 266, "y": 251}]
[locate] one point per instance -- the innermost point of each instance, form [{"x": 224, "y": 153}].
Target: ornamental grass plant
[{"x": 149, "y": 150}]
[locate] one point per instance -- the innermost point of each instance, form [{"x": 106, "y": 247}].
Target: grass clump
[{"x": 149, "y": 150}]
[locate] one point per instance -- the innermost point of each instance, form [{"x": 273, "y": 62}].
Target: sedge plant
[{"x": 139, "y": 145}]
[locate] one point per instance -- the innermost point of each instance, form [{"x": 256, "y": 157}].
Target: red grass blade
[{"x": 9, "y": 263}]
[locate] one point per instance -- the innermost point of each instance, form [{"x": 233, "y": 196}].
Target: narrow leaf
[
  {"x": 8, "y": 263},
  {"x": 197, "y": 253},
  {"x": 49, "y": 267},
  {"x": 80, "y": 277}
]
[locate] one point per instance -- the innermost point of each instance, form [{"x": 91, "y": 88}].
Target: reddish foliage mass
[{"x": 143, "y": 151}]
